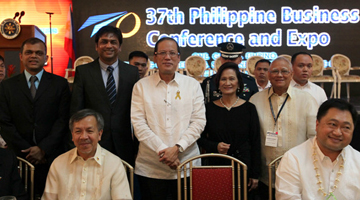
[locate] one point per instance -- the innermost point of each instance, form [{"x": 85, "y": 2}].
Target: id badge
[{"x": 271, "y": 139}]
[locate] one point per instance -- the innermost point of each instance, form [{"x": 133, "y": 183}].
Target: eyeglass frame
[{"x": 165, "y": 53}]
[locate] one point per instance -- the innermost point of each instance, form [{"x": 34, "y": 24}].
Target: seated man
[
  {"x": 87, "y": 171},
  {"x": 10, "y": 181},
  {"x": 325, "y": 166}
]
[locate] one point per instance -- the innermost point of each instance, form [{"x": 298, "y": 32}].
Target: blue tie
[{"x": 110, "y": 85}]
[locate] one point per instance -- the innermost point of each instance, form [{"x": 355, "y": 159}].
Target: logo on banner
[{"x": 120, "y": 16}]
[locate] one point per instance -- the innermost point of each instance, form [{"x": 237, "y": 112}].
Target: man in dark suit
[
  {"x": 108, "y": 91},
  {"x": 34, "y": 111}
]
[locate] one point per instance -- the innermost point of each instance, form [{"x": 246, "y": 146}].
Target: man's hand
[
  {"x": 169, "y": 155},
  {"x": 253, "y": 184},
  {"x": 175, "y": 164},
  {"x": 35, "y": 156},
  {"x": 223, "y": 148}
]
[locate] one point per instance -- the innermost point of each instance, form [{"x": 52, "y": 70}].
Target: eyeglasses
[
  {"x": 283, "y": 72},
  {"x": 164, "y": 53}
]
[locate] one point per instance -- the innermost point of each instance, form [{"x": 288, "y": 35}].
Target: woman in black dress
[{"x": 232, "y": 126}]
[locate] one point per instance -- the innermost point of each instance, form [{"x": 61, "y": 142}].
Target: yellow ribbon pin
[{"x": 178, "y": 95}]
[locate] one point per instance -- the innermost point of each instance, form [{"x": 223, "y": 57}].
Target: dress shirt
[
  {"x": 268, "y": 85},
  {"x": 296, "y": 177},
  {"x": 164, "y": 115},
  {"x": 100, "y": 177},
  {"x": 316, "y": 91},
  {"x": 105, "y": 73},
  {"x": 295, "y": 124},
  {"x": 38, "y": 75}
]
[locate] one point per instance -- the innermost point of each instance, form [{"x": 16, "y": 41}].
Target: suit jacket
[
  {"x": 10, "y": 181},
  {"x": 89, "y": 92},
  {"x": 44, "y": 118}
]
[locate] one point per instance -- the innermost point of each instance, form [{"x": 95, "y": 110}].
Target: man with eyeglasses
[
  {"x": 168, "y": 115},
  {"x": 139, "y": 59},
  {"x": 302, "y": 64},
  {"x": 261, "y": 74},
  {"x": 286, "y": 115},
  {"x": 34, "y": 111},
  {"x": 230, "y": 52}
]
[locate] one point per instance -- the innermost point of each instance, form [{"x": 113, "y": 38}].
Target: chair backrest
[
  {"x": 28, "y": 178},
  {"x": 288, "y": 57},
  {"x": 82, "y": 60},
  {"x": 130, "y": 171},
  {"x": 273, "y": 165},
  {"x": 342, "y": 63},
  {"x": 318, "y": 65},
  {"x": 250, "y": 64},
  {"x": 195, "y": 65},
  {"x": 217, "y": 64},
  {"x": 213, "y": 182}
]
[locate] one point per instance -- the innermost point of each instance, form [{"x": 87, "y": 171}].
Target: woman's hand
[{"x": 223, "y": 148}]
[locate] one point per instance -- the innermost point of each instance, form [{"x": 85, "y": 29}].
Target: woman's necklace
[
  {"x": 229, "y": 108},
  {"x": 319, "y": 182}
]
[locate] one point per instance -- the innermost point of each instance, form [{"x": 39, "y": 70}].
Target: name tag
[{"x": 271, "y": 139}]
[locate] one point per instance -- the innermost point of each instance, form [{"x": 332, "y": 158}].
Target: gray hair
[
  {"x": 283, "y": 59},
  {"x": 81, "y": 114}
]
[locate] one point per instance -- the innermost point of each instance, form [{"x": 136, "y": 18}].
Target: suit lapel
[
  {"x": 24, "y": 87},
  {"x": 44, "y": 84},
  {"x": 122, "y": 72},
  {"x": 96, "y": 77}
]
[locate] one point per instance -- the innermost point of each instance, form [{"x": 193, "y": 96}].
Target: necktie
[
  {"x": 32, "y": 86},
  {"x": 110, "y": 85}
]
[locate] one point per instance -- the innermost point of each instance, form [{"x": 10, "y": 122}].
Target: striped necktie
[{"x": 110, "y": 85}]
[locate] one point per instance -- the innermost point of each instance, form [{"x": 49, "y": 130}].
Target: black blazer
[
  {"x": 10, "y": 181},
  {"x": 89, "y": 92},
  {"x": 46, "y": 115}
]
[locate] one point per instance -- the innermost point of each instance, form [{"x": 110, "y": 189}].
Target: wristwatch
[{"x": 180, "y": 148}]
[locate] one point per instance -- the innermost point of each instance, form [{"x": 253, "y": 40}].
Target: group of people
[{"x": 157, "y": 122}]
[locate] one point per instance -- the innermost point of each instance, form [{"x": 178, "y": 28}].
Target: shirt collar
[
  {"x": 267, "y": 85},
  {"x": 289, "y": 91},
  {"x": 97, "y": 157},
  {"x": 322, "y": 156},
  {"x": 105, "y": 66},
  {"x": 158, "y": 80},
  {"x": 295, "y": 84},
  {"x": 38, "y": 75}
]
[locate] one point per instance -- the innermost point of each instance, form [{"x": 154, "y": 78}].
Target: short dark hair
[
  {"x": 233, "y": 66},
  {"x": 2, "y": 58},
  {"x": 339, "y": 104},
  {"x": 293, "y": 57},
  {"x": 138, "y": 54},
  {"x": 81, "y": 114},
  {"x": 109, "y": 29},
  {"x": 32, "y": 40},
  {"x": 166, "y": 38},
  {"x": 262, "y": 61}
]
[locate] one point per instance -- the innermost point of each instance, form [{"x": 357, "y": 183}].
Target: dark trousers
[
  {"x": 159, "y": 189},
  {"x": 264, "y": 191}
]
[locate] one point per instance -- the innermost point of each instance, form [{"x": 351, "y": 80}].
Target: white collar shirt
[
  {"x": 295, "y": 124},
  {"x": 38, "y": 75},
  {"x": 268, "y": 85},
  {"x": 164, "y": 115},
  {"x": 316, "y": 91},
  {"x": 100, "y": 177},
  {"x": 296, "y": 177},
  {"x": 105, "y": 73}
]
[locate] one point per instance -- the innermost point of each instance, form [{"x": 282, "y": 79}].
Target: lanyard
[{"x": 272, "y": 110}]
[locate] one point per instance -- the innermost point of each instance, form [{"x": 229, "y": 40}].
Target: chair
[
  {"x": 217, "y": 64},
  {"x": 79, "y": 61},
  {"x": 130, "y": 170},
  {"x": 288, "y": 57},
  {"x": 342, "y": 65},
  {"x": 213, "y": 182},
  {"x": 273, "y": 165},
  {"x": 24, "y": 168},
  {"x": 318, "y": 77},
  {"x": 250, "y": 64},
  {"x": 195, "y": 67}
]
